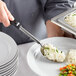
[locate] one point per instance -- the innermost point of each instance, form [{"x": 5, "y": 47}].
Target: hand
[{"x": 5, "y": 15}]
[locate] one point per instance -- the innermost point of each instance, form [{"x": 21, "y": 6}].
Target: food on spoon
[
  {"x": 69, "y": 70},
  {"x": 71, "y": 57},
  {"x": 52, "y": 53},
  {"x": 71, "y": 19}
]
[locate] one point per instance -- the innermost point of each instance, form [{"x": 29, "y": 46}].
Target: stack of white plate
[{"x": 8, "y": 55}]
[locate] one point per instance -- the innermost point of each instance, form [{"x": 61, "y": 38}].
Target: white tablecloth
[{"x": 23, "y": 68}]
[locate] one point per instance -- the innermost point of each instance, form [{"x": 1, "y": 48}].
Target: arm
[
  {"x": 53, "y": 30},
  {"x": 52, "y": 8}
]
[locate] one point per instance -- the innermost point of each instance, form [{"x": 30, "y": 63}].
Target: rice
[
  {"x": 71, "y": 19},
  {"x": 71, "y": 57},
  {"x": 53, "y": 53}
]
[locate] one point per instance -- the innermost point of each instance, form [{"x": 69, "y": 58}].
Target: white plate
[
  {"x": 8, "y": 48},
  {"x": 12, "y": 70},
  {"x": 10, "y": 62},
  {"x": 12, "y": 73},
  {"x": 9, "y": 66},
  {"x": 41, "y": 65}
]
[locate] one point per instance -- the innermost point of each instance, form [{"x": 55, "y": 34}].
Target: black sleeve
[{"x": 52, "y": 8}]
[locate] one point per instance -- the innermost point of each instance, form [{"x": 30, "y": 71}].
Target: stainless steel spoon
[
  {"x": 43, "y": 47},
  {"x": 19, "y": 26}
]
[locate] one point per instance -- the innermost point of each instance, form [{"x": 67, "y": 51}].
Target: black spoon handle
[{"x": 15, "y": 23}]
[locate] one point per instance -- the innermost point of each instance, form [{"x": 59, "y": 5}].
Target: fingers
[
  {"x": 4, "y": 18},
  {"x": 10, "y": 17},
  {"x": 5, "y": 15}
]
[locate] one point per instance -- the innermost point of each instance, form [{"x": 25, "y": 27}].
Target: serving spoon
[
  {"x": 19, "y": 26},
  {"x": 43, "y": 46}
]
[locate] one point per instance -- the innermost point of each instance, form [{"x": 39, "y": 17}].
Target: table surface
[{"x": 23, "y": 68}]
